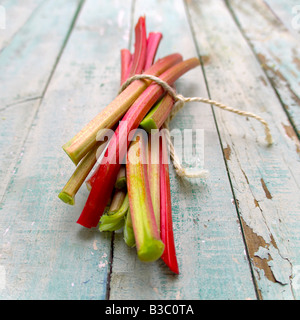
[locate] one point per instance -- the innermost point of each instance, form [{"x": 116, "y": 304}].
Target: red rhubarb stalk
[
  {"x": 148, "y": 243},
  {"x": 153, "y": 41},
  {"x": 166, "y": 224},
  {"x": 108, "y": 169},
  {"x": 78, "y": 146}
]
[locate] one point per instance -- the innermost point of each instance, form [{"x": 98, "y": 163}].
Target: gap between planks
[
  {"x": 225, "y": 156},
  {"x": 256, "y": 55}
]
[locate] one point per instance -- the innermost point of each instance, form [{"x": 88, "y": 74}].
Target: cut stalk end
[
  {"x": 148, "y": 124},
  {"x": 69, "y": 153},
  {"x": 151, "y": 250},
  {"x": 66, "y": 198}
]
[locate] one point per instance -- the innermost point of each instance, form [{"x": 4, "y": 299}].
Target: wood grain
[
  {"x": 26, "y": 67},
  {"x": 17, "y": 14},
  {"x": 277, "y": 50},
  {"x": 236, "y": 233},
  {"x": 265, "y": 180},
  {"x": 45, "y": 254},
  {"x": 288, "y": 11}
]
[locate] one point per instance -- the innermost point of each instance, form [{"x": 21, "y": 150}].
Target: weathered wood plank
[
  {"x": 44, "y": 253},
  {"x": 209, "y": 244},
  {"x": 288, "y": 11},
  {"x": 15, "y": 14},
  {"x": 265, "y": 180},
  {"x": 278, "y": 52},
  {"x": 26, "y": 66}
]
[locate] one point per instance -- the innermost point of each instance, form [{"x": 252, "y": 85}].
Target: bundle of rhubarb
[{"x": 122, "y": 155}]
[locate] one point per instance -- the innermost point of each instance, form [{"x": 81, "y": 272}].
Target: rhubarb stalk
[
  {"x": 83, "y": 169},
  {"x": 126, "y": 59},
  {"x": 140, "y": 51},
  {"x": 117, "y": 200},
  {"x": 78, "y": 146},
  {"x": 148, "y": 243},
  {"x": 128, "y": 231},
  {"x": 108, "y": 169},
  {"x": 166, "y": 224},
  {"x": 115, "y": 220},
  {"x": 153, "y": 41},
  {"x": 158, "y": 114},
  {"x": 121, "y": 178},
  {"x": 154, "y": 174}
]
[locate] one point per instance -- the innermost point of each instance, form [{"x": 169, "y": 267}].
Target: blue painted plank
[
  {"x": 278, "y": 52},
  {"x": 13, "y": 15},
  {"x": 26, "y": 66},
  {"x": 44, "y": 253},
  {"x": 265, "y": 179}
]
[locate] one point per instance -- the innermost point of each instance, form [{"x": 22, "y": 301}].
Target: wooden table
[{"x": 236, "y": 233}]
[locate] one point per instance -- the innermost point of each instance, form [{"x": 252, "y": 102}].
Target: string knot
[{"x": 180, "y": 101}]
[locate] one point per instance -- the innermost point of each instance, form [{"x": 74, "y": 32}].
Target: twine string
[{"x": 180, "y": 101}]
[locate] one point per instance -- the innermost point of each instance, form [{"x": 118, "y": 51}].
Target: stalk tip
[
  {"x": 66, "y": 198},
  {"x": 151, "y": 250}
]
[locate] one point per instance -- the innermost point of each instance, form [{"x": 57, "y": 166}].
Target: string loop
[{"x": 180, "y": 101}]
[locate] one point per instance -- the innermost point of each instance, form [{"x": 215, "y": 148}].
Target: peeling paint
[
  {"x": 290, "y": 132},
  {"x": 254, "y": 244},
  {"x": 95, "y": 245},
  {"x": 266, "y": 258},
  {"x": 266, "y": 190},
  {"x": 205, "y": 59},
  {"x": 227, "y": 152}
]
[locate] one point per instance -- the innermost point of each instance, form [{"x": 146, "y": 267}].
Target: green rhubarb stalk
[
  {"x": 154, "y": 175},
  {"x": 69, "y": 191},
  {"x": 117, "y": 200},
  {"x": 121, "y": 178},
  {"x": 109, "y": 167},
  {"x": 148, "y": 243},
  {"x": 158, "y": 114},
  {"x": 128, "y": 231},
  {"x": 79, "y": 146},
  {"x": 115, "y": 221}
]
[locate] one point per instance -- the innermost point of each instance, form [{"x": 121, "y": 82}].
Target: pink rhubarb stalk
[
  {"x": 166, "y": 224},
  {"x": 126, "y": 59},
  {"x": 153, "y": 41},
  {"x": 139, "y": 56},
  {"x": 148, "y": 243},
  {"x": 78, "y": 146},
  {"x": 108, "y": 169}
]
